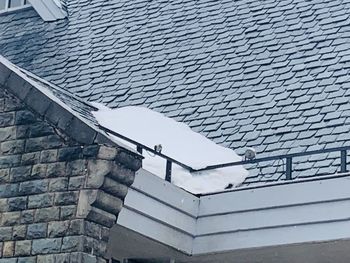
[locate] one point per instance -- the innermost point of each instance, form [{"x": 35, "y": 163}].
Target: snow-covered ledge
[
  {"x": 308, "y": 219},
  {"x": 49, "y": 10},
  {"x": 177, "y": 141}
]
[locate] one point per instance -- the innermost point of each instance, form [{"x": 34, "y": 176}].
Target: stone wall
[{"x": 58, "y": 198}]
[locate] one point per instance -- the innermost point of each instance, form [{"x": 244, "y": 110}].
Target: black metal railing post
[
  {"x": 343, "y": 155},
  {"x": 168, "y": 171},
  {"x": 139, "y": 149},
  {"x": 289, "y": 168}
]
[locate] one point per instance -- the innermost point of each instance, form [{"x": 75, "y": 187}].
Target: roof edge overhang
[
  {"x": 170, "y": 222},
  {"x": 42, "y": 101},
  {"x": 49, "y": 10}
]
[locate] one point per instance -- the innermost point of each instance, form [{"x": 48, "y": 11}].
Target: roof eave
[{"x": 47, "y": 106}]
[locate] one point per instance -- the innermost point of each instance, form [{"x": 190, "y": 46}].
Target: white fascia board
[
  {"x": 49, "y": 10},
  {"x": 300, "y": 212}
]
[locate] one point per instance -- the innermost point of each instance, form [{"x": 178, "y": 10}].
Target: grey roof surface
[{"x": 272, "y": 74}]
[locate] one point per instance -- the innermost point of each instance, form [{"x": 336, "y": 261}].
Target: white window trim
[{"x": 10, "y": 9}]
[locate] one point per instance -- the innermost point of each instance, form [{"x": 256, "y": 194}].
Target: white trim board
[
  {"x": 49, "y": 10},
  {"x": 280, "y": 215}
]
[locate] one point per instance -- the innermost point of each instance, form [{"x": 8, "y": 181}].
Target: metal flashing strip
[{"x": 49, "y": 10}]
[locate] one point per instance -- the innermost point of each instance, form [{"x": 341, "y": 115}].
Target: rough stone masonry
[{"x": 58, "y": 198}]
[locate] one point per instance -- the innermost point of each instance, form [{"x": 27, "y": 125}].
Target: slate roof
[{"x": 272, "y": 74}]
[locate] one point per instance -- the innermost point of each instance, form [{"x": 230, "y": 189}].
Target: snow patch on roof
[{"x": 179, "y": 142}]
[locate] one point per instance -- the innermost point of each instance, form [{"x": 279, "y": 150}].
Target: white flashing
[{"x": 49, "y": 10}]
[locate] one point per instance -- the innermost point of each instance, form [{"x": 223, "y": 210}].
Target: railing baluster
[
  {"x": 139, "y": 149},
  {"x": 168, "y": 171},
  {"x": 343, "y": 155},
  {"x": 289, "y": 168}
]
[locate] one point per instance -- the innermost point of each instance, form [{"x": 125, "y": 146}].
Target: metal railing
[{"x": 287, "y": 157}]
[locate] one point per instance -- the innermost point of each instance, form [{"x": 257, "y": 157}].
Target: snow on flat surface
[{"x": 179, "y": 142}]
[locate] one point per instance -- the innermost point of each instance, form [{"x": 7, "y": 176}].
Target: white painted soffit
[{"x": 49, "y": 10}]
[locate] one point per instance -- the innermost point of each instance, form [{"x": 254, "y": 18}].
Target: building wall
[{"x": 58, "y": 198}]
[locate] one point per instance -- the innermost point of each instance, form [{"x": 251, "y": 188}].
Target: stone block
[
  {"x": 70, "y": 153},
  {"x": 47, "y": 214},
  {"x": 46, "y": 246},
  {"x": 7, "y": 119},
  {"x": 49, "y": 156},
  {"x": 77, "y": 167},
  {"x": 97, "y": 170},
  {"x": 17, "y": 203},
  {"x": 39, "y": 171},
  {"x": 76, "y": 227},
  {"x": 27, "y": 217},
  {"x": 58, "y": 184},
  {"x": 5, "y": 233},
  {"x": 38, "y": 101},
  {"x": 82, "y": 258},
  {"x": 76, "y": 183},
  {"x": 7, "y": 133},
  {"x": 101, "y": 217},
  {"x": 10, "y": 218},
  {"x": 30, "y": 158},
  {"x": 58, "y": 229},
  {"x": 72, "y": 243},
  {"x": 24, "y": 117},
  {"x": 91, "y": 150},
  {"x": 108, "y": 203},
  {"x": 9, "y": 161},
  {"x": 27, "y": 260},
  {"x": 107, "y": 153},
  {"x": 129, "y": 160},
  {"x": 20, "y": 174},
  {"x": 19, "y": 232},
  {"x": 62, "y": 258},
  {"x": 43, "y": 143},
  {"x": 4, "y": 74},
  {"x": 116, "y": 189},
  {"x": 23, "y": 248},
  {"x": 3, "y": 205},
  {"x": 122, "y": 174},
  {"x": 8, "y": 260},
  {"x": 93, "y": 230},
  {"x": 12, "y": 147},
  {"x": 56, "y": 169},
  {"x": 36, "y": 231},
  {"x": 41, "y": 200},
  {"x": 8, "y": 249},
  {"x": 4, "y": 176},
  {"x": 34, "y": 187},
  {"x": 46, "y": 259},
  {"x": 66, "y": 198},
  {"x": 80, "y": 131},
  {"x": 8, "y": 190},
  {"x": 68, "y": 212},
  {"x": 18, "y": 85}
]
